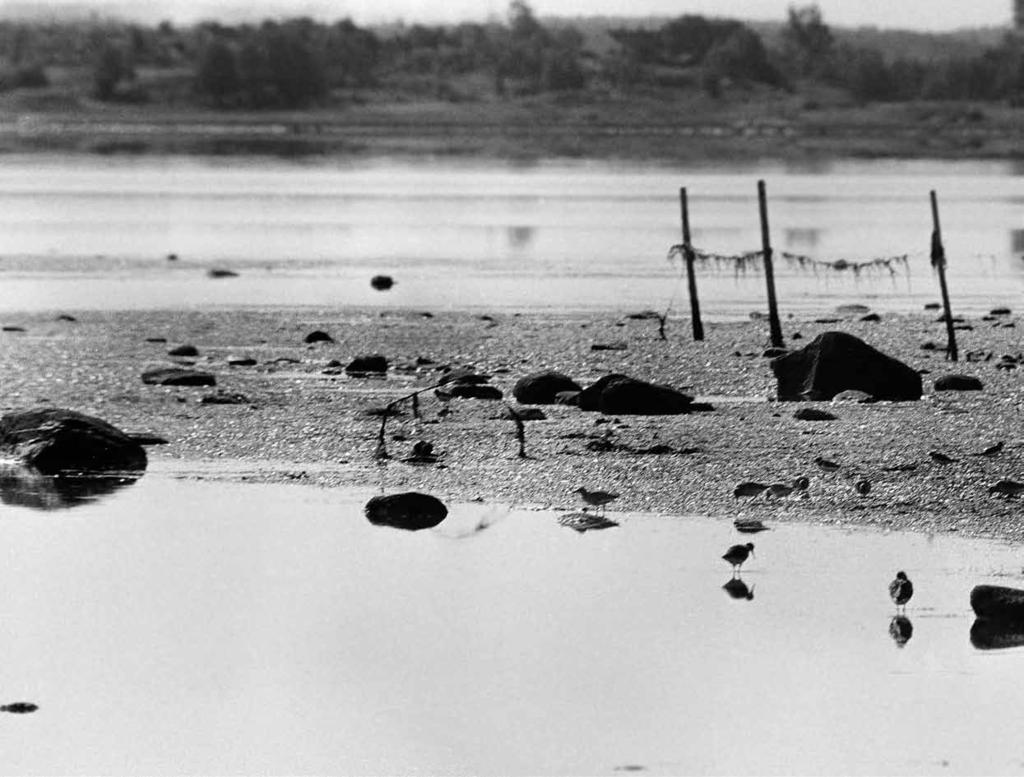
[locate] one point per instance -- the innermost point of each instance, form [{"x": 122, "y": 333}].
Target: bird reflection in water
[
  {"x": 901, "y": 630},
  {"x": 737, "y": 589}
]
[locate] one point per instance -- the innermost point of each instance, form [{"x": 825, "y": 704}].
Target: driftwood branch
[
  {"x": 520, "y": 430},
  {"x": 382, "y": 448}
]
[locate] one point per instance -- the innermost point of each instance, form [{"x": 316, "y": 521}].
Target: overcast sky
[{"x": 907, "y": 14}]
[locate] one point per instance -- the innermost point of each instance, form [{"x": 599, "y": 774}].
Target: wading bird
[
  {"x": 596, "y": 498},
  {"x": 737, "y": 554},
  {"x": 901, "y": 589}
]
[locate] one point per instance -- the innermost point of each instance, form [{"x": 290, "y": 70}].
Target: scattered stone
[
  {"x": 834, "y": 362},
  {"x": 66, "y": 317},
  {"x": 999, "y": 312},
  {"x": 156, "y": 339},
  {"x": 224, "y": 398},
  {"x": 468, "y": 391},
  {"x": 617, "y": 394},
  {"x": 12, "y": 328},
  {"x": 852, "y": 395},
  {"x": 958, "y": 383},
  {"x": 870, "y": 318},
  {"x": 813, "y": 414},
  {"x": 177, "y": 376},
  {"x": 184, "y": 350},
  {"x": 542, "y": 388},
  {"x": 54, "y": 440},
  {"x": 220, "y": 273},
  {"x": 826, "y": 321},
  {"x": 422, "y": 453},
  {"x": 796, "y": 336},
  {"x": 932, "y": 306},
  {"x": 852, "y": 310},
  {"x": 411, "y": 511},
  {"x": 998, "y": 603},
  {"x": 609, "y": 347},
  {"x": 241, "y": 361},
  {"x": 368, "y": 364},
  {"x": 929, "y": 345},
  {"x": 172, "y": 257},
  {"x": 382, "y": 282},
  {"x": 645, "y": 315},
  {"x": 318, "y": 336},
  {"x": 529, "y": 414}
]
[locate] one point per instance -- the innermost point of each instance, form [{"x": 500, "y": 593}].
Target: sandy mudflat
[{"x": 303, "y": 424}]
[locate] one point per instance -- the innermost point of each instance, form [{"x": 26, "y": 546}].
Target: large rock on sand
[
  {"x": 177, "y": 376},
  {"x": 411, "y": 511},
  {"x": 617, "y": 394},
  {"x": 998, "y": 602},
  {"x": 835, "y": 362},
  {"x": 53, "y": 440},
  {"x": 542, "y": 388}
]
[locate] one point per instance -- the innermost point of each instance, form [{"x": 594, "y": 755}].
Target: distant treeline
[{"x": 302, "y": 62}]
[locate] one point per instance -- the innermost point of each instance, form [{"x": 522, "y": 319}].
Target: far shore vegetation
[{"x": 684, "y": 87}]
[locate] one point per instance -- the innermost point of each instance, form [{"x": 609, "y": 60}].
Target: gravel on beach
[{"x": 296, "y": 415}]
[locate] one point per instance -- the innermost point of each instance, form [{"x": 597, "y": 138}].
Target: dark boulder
[
  {"x": 835, "y": 362},
  {"x": 382, "y": 282},
  {"x": 54, "y": 440},
  {"x": 318, "y": 336},
  {"x": 217, "y": 272},
  {"x": 617, "y": 394},
  {"x": 998, "y": 602},
  {"x": 469, "y": 391},
  {"x": 813, "y": 414},
  {"x": 184, "y": 350},
  {"x": 368, "y": 364},
  {"x": 177, "y": 376},
  {"x": 542, "y": 388},
  {"x": 958, "y": 383},
  {"x": 411, "y": 511}
]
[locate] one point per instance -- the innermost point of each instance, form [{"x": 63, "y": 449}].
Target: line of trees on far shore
[{"x": 301, "y": 62}]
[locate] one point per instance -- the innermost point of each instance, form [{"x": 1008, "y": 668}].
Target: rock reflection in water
[
  {"x": 737, "y": 589},
  {"x": 25, "y": 487},
  {"x": 995, "y": 634},
  {"x": 901, "y": 629}
]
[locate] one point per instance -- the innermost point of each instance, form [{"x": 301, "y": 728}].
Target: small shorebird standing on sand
[
  {"x": 1011, "y": 488},
  {"x": 737, "y": 554},
  {"x": 901, "y": 589},
  {"x": 596, "y": 498},
  {"x": 825, "y": 465},
  {"x": 993, "y": 450}
]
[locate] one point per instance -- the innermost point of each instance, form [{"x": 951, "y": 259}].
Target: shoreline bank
[{"x": 297, "y": 405}]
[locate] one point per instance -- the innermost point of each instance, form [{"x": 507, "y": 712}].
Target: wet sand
[{"x": 302, "y": 424}]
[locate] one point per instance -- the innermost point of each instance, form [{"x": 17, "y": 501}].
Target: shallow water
[
  {"x": 181, "y": 626},
  {"x": 88, "y": 232}
]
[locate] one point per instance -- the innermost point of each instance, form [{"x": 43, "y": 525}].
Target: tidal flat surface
[{"x": 190, "y": 626}]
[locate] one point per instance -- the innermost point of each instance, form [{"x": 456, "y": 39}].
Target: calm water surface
[
  {"x": 196, "y": 627},
  {"x": 81, "y": 232}
]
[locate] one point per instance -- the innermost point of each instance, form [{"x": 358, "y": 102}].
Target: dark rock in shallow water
[
  {"x": 411, "y": 511},
  {"x": 53, "y": 440},
  {"x": 542, "y": 388},
  {"x": 618, "y": 394},
  {"x": 368, "y": 364},
  {"x": 184, "y": 350},
  {"x": 11, "y": 328},
  {"x": 834, "y": 362},
  {"x": 19, "y": 707},
  {"x": 932, "y": 306},
  {"x": 176, "y": 376},
  {"x": 1000, "y": 312},
  {"x": 156, "y": 339},
  {"x": 318, "y": 336},
  {"x": 66, "y": 317},
  {"x": 27, "y": 487},
  {"x": 998, "y": 603},
  {"x": 870, "y": 318},
  {"x": 219, "y": 273},
  {"x": 382, "y": 282},
  {"x": 958, "y": 383},
  {"x": 224, "y": 398},
  {"x": 241, "y": 361}
]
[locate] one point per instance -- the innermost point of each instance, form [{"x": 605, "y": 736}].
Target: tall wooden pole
[
  {"x": 939, "y": 263},
  {"x": 769, "y": 270},
  {"x": 691, "y": 277}
]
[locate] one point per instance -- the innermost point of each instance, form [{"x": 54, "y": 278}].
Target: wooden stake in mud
[
  {"x": 691, "y": 277},
  {"x": 939, "y": 265},
  {"x": 769, "y": 270}
]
